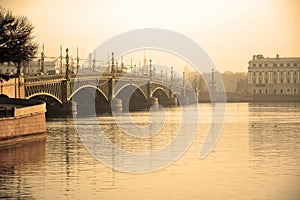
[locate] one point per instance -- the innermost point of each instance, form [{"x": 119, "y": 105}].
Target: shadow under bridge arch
[
  {"x": 53, "y": 104},
  {"x": 162, "y": 95},
  {"x": 90, "y": 100},
  {"x": 133, "y": 98}
]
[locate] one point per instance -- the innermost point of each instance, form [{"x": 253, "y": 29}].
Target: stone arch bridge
[{"x": 134, "y": 92}]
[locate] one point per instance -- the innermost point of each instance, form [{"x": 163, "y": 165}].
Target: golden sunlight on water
[{"x": 256, "y": 157}]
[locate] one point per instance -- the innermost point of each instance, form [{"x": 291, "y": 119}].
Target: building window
[
  {"x": 281, "y": 91},
  {"x": 253, "y": 65},
  {"x": 281, "y": 64},
  {"x": 254, "y": 91},
  {"x": 254, "y": 81},
  {"x": 266, "y": 73},
  {"x": 266, "y": 81},
  {"x": 259, "y": 81},
  {"x": 288, "y": 90},
  {"x": 281, "y": 72},
  {"x": 295, "y": 81},
  {"x": 288, "y": 81},
  {"x": 266, "y": 65},
  {"x": 259, "y": 73},
  {"x": 274, "y": 91},
  {"x": 274, "y": 65},
  {"x": 288, "y": 64},
  {"x": 266, "y": 91},
  {"x": 295, "y": 90},
  {"x": 281, "y": 81},
  {"x": 260, "y": 65},
  {"x": 295, "y": 64},
  {"x": 260, "y": 91},
  {"x": 275, "y": 81}
]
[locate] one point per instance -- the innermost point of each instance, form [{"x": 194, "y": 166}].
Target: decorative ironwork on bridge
[{"x": 62, "y": 89}]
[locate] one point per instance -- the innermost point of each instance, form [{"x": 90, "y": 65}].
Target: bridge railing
[
  {"x": 43, "y": 78},
  {"x": 158, "y": 78}
]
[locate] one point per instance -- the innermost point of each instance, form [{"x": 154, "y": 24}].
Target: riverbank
[
  {"x": 21, "y": 118},
  {"x": 232, "y": 97}
]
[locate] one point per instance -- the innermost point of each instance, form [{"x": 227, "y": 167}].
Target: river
[{"x": 256, "y": 157}]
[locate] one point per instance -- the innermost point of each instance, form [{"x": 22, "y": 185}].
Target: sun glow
[{"x": 230, "y": 31}]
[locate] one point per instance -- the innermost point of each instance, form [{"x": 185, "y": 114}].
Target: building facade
[
  {"x": 31, "y": 68},
  {"x": 274, "y": 76}
]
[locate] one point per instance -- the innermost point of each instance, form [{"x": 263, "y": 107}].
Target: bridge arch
[
  {"x": 177, "y": 95},
  {"x": 162, "y": 96},
  {"x": 44, "y": 94},
  {"x": 87, "y": 86},
  {"x": 179, "y": 98},
  {"x": 54, "y": 105},
  {"x": 133, "y": 97},
  {"x": 89, "y": 100},
  {"x": 128, "y": 85},
  {"x": 160, "y": 89}
]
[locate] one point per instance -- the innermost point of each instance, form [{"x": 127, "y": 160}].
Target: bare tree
[{"x": 17, "y": 43}]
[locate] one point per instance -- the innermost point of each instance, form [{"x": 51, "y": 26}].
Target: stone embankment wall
[{"x": 24, "y": 117}]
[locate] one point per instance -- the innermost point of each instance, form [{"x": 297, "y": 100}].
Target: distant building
[
  {"x": 274, "y": 76},
  {"x": 35, "y": 66},
  {"x": 31, "y": 68},
  {"x": 8, "y": 68}
]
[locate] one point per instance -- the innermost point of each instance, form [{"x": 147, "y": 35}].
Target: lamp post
[
  {"x": 112, "y": 66},
  {"x": 67, "y": 64},
  {"x": 150, "y": 69},
  {"x": 42, "y": 60}
]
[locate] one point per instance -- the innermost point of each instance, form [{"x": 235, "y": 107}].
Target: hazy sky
[{"x": 230, "y": 31}]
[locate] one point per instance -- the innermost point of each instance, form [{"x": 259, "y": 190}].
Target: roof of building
[{"x": 261, "y": 58}]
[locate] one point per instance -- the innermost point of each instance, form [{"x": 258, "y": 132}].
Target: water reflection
[
  {"x": 250, "y": 162},
  {"x": 274, "y": 132},
  {"x": 19, "y": 161},
  {"x": 274, "y": 137}
]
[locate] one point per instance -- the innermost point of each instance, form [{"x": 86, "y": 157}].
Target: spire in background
[
  {"x": 42, "y": 59},
  {"x": 145, "y": 57}
]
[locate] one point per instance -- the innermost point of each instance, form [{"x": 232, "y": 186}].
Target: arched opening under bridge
[
  {"x": 90, "y": 101},
  {"x": 133, "y": 99}
]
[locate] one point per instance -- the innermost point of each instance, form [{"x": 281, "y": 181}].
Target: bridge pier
[
  {"x": 69, "y": 108},
  {"x": 153, "y": 103},
  {"x": 116, "y": 105},
  {"x": 173, "y": 101}
]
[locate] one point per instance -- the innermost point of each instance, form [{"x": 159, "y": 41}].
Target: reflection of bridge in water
[{"x": 64, "y": 94}]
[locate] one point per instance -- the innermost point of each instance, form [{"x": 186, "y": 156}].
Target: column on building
[
  {"x": 263, "y": 81},
  {"x": 278, "y": 74}
]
